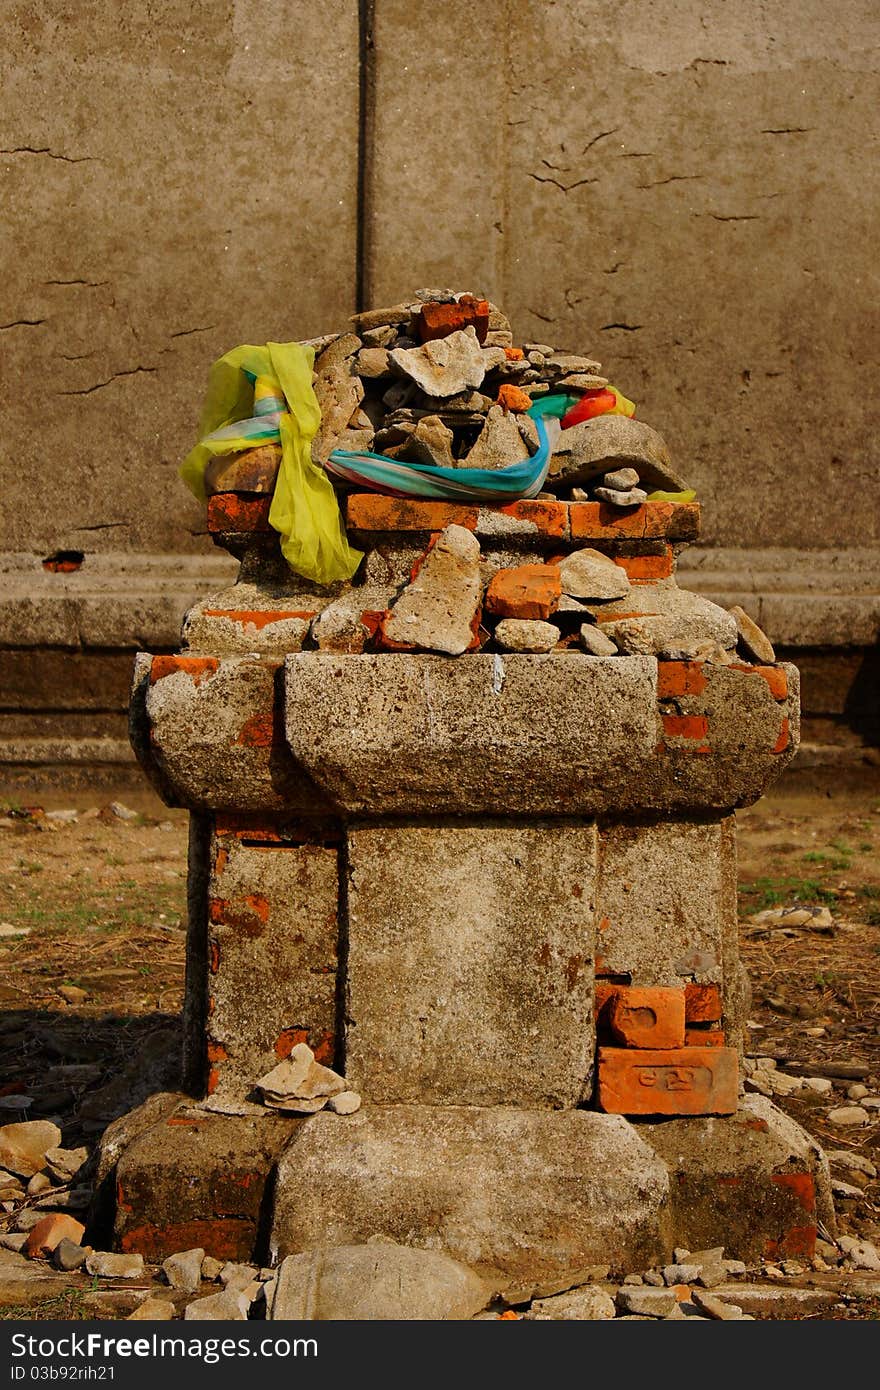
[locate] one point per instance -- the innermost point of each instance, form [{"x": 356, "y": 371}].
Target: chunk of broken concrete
[
  {"x": 589, "y": 574},
  {"x": 526, "y": 635},
  {"x": 152, "y": 1310},
  {"x": 594, "y": 641},
  {"x": 377, "y": 1282},
  {"x": 437, "y": 611},
  {"x": 107, "y": 1265},
  {"x": 587, "y": 1304},
  {"x": 444, "y": 366},
  {"x": 598, "y": 446},
  {"x": 429, "y": 442},
  {"x": 299, "y": 1083},
  {"x": 499, "y": 442},
  {"x": 23, "y": 1146},
  {"x": 633, "y": 497},
  {"x": 756, "y": 643},
  {"x": 344, "y": 1103},
  {"x": 228, "y": 1306},
  {"x": 183, "y": 1271}
]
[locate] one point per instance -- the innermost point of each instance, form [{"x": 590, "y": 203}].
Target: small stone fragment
[
  {"x": 499, "y": 443},
  {"x": 72, "y": 994},
  {"x": 68, "y": 1255},
  {"x": 594, "y": 641},
  {"x": 106, "y": 1265},
  {"x": 526, "y": 635},
  {"x": 23, "y": 1146},
  {"x": 437, "y": 610},
  {"x": 183, "y": 1271},
  {"x": 652, "y": 1303},
  {"x": 430, "y": 442},
  {"x": 443, "y": 366},
  {"x": 846, "y": 1116},
  {"x": 300, "y": 1083},
  {"x": 820, "y": 1085},
  {"x": 38, "y": 1183},
  {"x": 857, "y": 1163},
  {"x": 66, "y": 1163},
  {"x": 211, "y": 1268},
  {"x": 589, "y": 574},
  {"x": 756, "y": 643},
  {"x": 372, "y": 362},
  {"x": 856, "y": 1091},
  {"x": 376, "y": 1282},
  {"x": 633, "y": 498},
  {"x": 152, "y": 1310},
  {"x": 716, "y": 1307},
  {"x": 227, "y": 1306},
  {"x": 237, "y": 1276},
  {"x": 587, "y": 1304},
  {"x": 681, "y": 1273},
  {"x": 621, "y": 480},
  {"x": 860, "y": 1254},
  {"x": 345, "y": 1103}
]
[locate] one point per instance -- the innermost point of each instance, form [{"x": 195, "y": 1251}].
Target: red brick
[
  {"x": 653, "y": 520},
  {"x": 784, "y": 736},
  {"x": 258, "y": 731},
  {"x": 249, "y": 913},
  {"x": 800, "y": 1238},
  {"x": 437, "y": 320},
  {"x": 680, "y": 678},
  {"x": 370, "y": 511},
  {"x": 548, "y": 518},
  {"x": 323, "y": 1047},
  {"x": 647, "y": 569},
  {"x": 224, "y": 1237},
  {"x": 529, "y": 591},
  {"x": 49, "y": 1233},
  {"x": 686, "y": 1081},
  {"x": 645, "y": 1016},
  {"x": 704, "y": 1037},
  {"x": 227, "y": 511},
  {"x": 513, "y": 398},
  {"x": 773, "y": 675},
  {"x": 702, "y": 1003},
  {"x": 691, "y": 726},
  {"x": 198, "y": 668}
]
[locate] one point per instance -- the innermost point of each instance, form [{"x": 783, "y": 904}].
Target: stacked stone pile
[{"x": 439, "y": 380}]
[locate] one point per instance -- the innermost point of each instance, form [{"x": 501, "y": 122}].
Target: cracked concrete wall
[
  {"x": 683, "y": 189},
  {"x": 178, "y": 178}
]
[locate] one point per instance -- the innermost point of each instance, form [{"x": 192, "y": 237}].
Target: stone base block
[
  {"x": 754, "y": 1182},
  {"x": 519, "y": 1195},
  {"x": 199, "y": 1179}
]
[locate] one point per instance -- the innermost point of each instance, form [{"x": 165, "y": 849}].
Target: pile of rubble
[{"x": 439, "y": 380}]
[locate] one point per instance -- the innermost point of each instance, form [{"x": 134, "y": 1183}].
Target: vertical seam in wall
[
  {"x": 503, "y": 152},
  {"x": 366, "y": 113}
]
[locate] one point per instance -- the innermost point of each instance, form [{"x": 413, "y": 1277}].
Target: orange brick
[
  {"x": 704, "y": 1037},
  {"x": 198, "y": 668},
  {"x": 773, "y": 675},
  {"x": 437, "y": 320},
  {"x": 603, "y": 993},
  {"x": 514, "y": 354},
  {"x": 686, "y": 1081},
  {"x": 288, "y": 1039},
  {"x": 549, "y": 518},
  {"x": 653, "y": 520},
  {"x": 647, "y": 1017},
  {"x": 784, "y": 736},
  {"x": 647, "y": 569},
  {"x": 229, "y": 512},
  {"x": 511, "y": 397},
  {"x": 702, "y": 1003},
  {"x": 258, "y": 731},
  {"x": 369, "y": 511},
  {"x": 49, "y": 1233},
  {"x": 679, "y": 678},
  {"x": 695, "y": 726},
  {"x": 529, "y": 591}
]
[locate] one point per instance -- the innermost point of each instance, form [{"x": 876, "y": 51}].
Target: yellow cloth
[{"x": 304, "y": 509}]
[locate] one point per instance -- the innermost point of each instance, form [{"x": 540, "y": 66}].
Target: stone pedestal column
[{"x": 497, "y": 890}]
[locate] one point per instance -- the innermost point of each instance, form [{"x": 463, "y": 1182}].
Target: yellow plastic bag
[{"x": 263, "y": 395}]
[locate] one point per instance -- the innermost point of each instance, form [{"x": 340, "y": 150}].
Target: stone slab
[
  {"x": 519, "y": 1195},
  {"x": 198, "y": 1179},
  {"x": 754, "y": 1181},
  {"x": 487, "y": 933},
  {"x": 272, "y": 959}
]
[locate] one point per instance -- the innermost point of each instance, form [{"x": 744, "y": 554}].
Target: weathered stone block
[
  {"x": 470, "y": 964},
  {"x": 683, "y": 1081},
  {"x": 272, "y": 959},
  {"x": 197, "y": 1179},
  {"x": 519, "y": 1195},
  {"x": 661, "y": 899}
]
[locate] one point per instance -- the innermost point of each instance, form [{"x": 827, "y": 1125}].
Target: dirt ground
[{"x": 100, "y": 905}]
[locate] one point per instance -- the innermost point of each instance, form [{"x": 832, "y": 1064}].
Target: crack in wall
[
  {"x": 52, "y": 154},
  {"x": 22, "y": 323},
  {"x": 87, "y": 390},
  {"x": 557, "y": 183}
]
